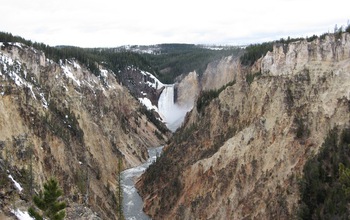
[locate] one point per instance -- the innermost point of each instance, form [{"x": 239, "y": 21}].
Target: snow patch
[
  {"x": 18, "y": 45},
  {"x": 18, "y": 80},
  {"x": 65, "y": 87},
  {"x": 146, "y": 102},
  {"x": 17, "y": 185},
  {"x": 104, "y": 76},
  {"x": 45, "y": 104},
  {"x": 76, "y": 65},
  {"x": 49, "y": 61},
  {"x": 104, "y": 73},
  {"x": 69, "y": 74},
  {"x": 7, "y": 60},
  {"x": 14, "y": 71},
  {"x": 31, "y": 89},
  {"x": 156, "y": 84},
  {"x": 21, "y": 215}
]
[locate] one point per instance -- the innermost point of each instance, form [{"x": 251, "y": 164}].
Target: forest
[
  {"x": 255, "y": 51},
  {"x": 167, "y": 63},
  {"x": 177, "y": 59},
  {"x": 325, "y": 186}
]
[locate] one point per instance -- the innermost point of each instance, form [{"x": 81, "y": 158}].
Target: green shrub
[{"x": 47, "y": 202}]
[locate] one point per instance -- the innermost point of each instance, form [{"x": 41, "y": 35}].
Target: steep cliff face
[
  {"x": 216, "y": 75},
  {"x": 61, "y": 120},
  {"x": 220, "y": 73},
  {"x": 242, "y": 155},
  {"x": 187, "y": 90}
]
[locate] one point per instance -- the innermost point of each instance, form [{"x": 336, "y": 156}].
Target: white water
[
  {"x": 132, "y": 202},
  {"x": 172, "y": 114}
]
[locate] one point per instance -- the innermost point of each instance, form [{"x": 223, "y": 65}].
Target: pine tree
[
  {"x": 47, "y": 202},
  {"x": 344, "y": 178}
]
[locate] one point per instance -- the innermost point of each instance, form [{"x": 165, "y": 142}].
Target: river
[{"x": 132, "y": 201}]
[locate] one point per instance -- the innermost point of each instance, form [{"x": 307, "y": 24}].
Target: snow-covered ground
[
  {"x": 68, "y": 72},
  {"x": 17, "y": 185},
  {"x": 21, "y": 215},
  {"x": 156, "y": 84},
  {"x": 146, "y": 102}
]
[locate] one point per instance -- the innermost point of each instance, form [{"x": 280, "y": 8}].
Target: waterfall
[
  {"x": 166, "y": 101},
  {"x": 172, "y": 114}
]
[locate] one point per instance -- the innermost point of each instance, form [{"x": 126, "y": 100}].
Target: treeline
[
  {"x": 119, "y": 60},
  {"x": 91, "y": 58},
  {"x": 255, "y": 51},
  {"x": 170, "y": 61},
  {"x": 177, "y": 59},
  {"x": 325, "y": 187}
]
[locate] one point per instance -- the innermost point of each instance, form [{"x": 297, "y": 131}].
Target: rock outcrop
[
  {"x": 187, "y": 90},
  {"x": 242, "y": 155},
  {"x": 220, "y": 73},
  {"x": 58, "y": 119},
  {"x": 217, "y": 74}
]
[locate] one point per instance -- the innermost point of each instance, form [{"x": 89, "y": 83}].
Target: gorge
[
  {"x": 237, "y": 136},
  {"x": 241, "y": 156},
  {"x": 132, "y": 202}
]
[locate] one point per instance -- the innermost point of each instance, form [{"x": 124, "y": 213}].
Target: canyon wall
[
  {"x": 60, "y": 120},
  {"x": 241, "y": 156},
  {"x": 217, "y": 74}
]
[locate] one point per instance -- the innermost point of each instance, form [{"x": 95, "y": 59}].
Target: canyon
[
  {"x": 235, "y": 145},
  {"x": 241, "y": 154}
]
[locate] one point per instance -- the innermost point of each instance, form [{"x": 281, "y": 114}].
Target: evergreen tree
[
  {"x": 48, "y": 203},
  {"x": 344, "y": 178},
  {"x": 325, "y": 186}
]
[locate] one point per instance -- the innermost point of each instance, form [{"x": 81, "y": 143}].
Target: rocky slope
[
  {"x": 141, "y": 84},
  {"x": 58, "y": 119},
  {"x": 240, "y": 157}
]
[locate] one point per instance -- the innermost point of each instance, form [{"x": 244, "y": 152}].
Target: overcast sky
[{"x": 110, "y": 23}]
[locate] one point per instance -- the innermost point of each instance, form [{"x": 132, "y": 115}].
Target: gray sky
[{"x": 109, "y": 23}]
